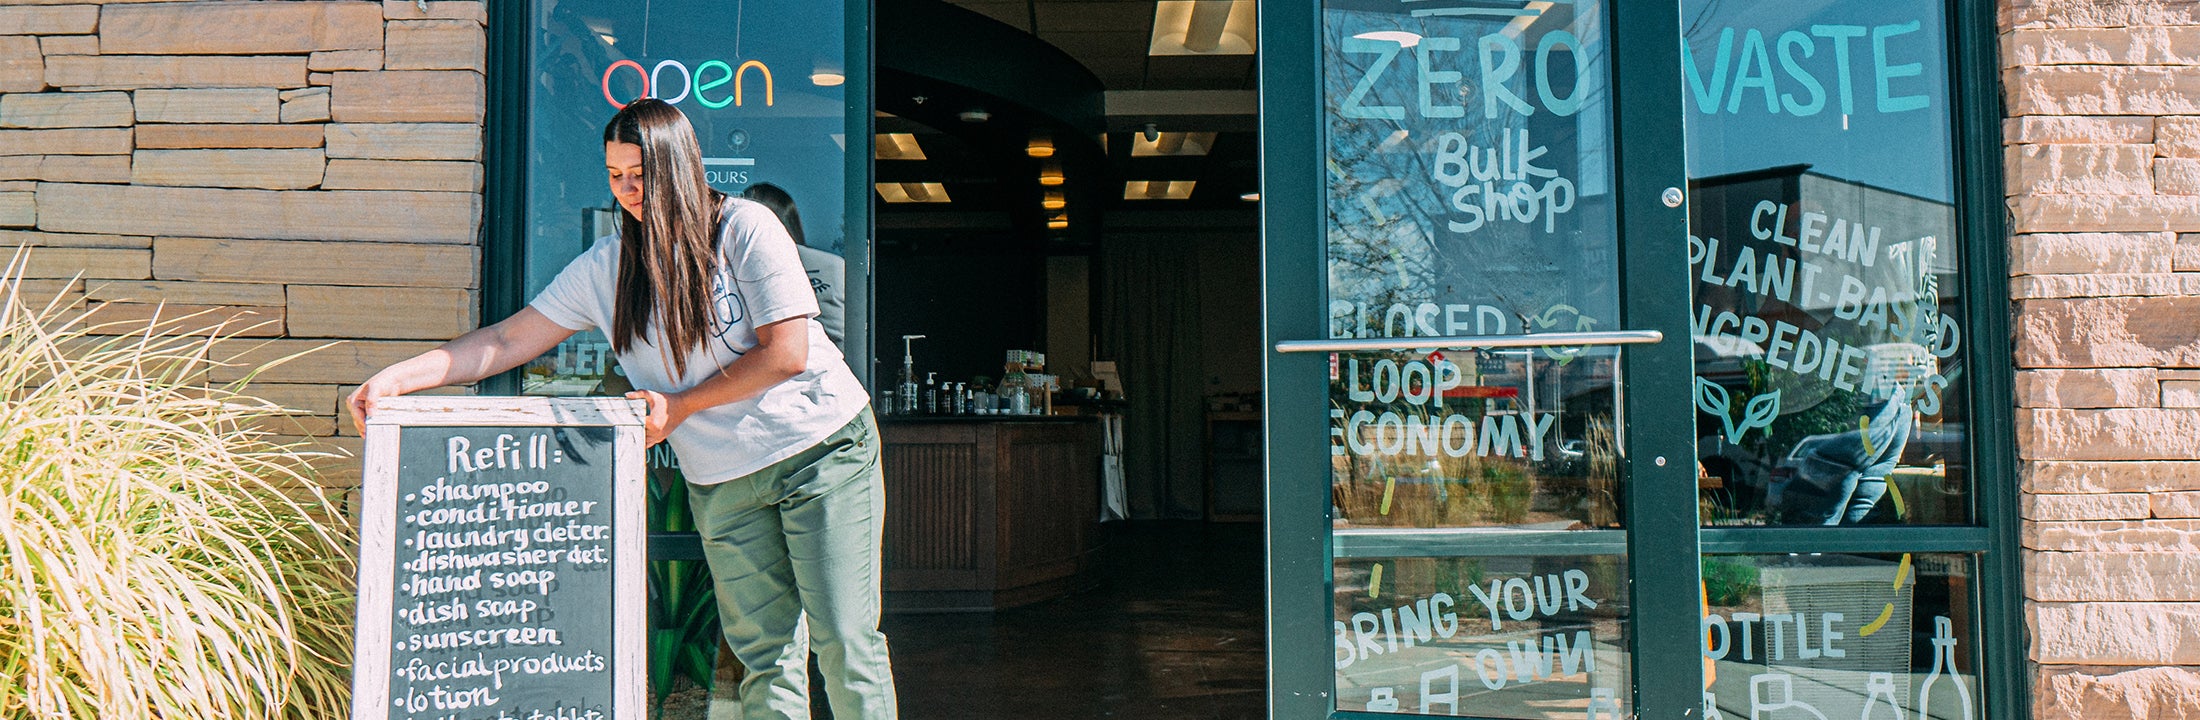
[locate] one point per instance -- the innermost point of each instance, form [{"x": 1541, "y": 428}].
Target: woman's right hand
[{"x": 362, "y": 401}]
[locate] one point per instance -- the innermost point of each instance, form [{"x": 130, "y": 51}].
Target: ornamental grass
[{"x": 159, "y": 556}]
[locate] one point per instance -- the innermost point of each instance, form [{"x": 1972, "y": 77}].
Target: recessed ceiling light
[
  {"x": 1040, "y": 147},
  {"x": 1051, "y": 175},
  {"x": 1166, "y": 144},
  {"x": 1203, "y": 27},
  {"x": 1058, "y": 222},
  {"x": 912, "y": 192},
  {"x": 1053, "y": 201},
  {"x": 1250, "y": 197},
  {"x": 827, "y": 79},
  {"x": 1158, "y": 189},
  {"x": 897, "y": 146}
]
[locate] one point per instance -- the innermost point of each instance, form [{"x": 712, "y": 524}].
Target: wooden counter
[{"x": 986, "y": 513}]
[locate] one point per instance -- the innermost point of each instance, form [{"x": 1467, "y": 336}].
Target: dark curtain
[{"x": 1150, "y": 320}]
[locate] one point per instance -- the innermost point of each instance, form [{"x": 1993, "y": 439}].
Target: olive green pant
[{"x": 794, "y": 552}]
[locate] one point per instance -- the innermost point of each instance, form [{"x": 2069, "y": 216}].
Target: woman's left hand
[{"x": 665, "y": 413}]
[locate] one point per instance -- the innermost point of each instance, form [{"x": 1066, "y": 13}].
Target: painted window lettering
[
  {"x": 1500, "y": 57},
  {"x": 1490, "y": 173},
  {"x": 1719, "y": 70},
  {"x": 703, "y": 82}
]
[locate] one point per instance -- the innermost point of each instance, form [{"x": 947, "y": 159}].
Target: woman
[{"x": 713, "y": 320}]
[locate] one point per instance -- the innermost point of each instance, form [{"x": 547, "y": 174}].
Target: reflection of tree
[{"x": 1388, "y": 237}]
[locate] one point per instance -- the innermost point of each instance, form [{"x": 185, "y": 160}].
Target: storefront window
[
  {"x": 1839, "y": 636},
  {"x": 762, "y": 83},
  {"x": 1830, "y": 380}
]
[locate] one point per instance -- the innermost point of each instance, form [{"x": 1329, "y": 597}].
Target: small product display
[{"x": 1024, "y": 389}]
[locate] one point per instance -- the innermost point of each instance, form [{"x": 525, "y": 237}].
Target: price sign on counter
[{"x": 500, "y": 573}]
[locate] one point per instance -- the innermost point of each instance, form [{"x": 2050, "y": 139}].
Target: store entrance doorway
[{"x": 1065, "y": 256}]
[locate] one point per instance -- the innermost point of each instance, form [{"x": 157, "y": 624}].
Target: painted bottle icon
[
  {"x": 1711, "y": 707},
  {"x": 1880, "y": 689},
  {"x": 1944, "y": 663},
  {"x": 1382, "y": 699},
  {"x": 1772, "y": 695}
]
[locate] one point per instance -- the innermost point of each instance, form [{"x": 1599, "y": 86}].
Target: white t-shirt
[{"x": 760, "y": 281}]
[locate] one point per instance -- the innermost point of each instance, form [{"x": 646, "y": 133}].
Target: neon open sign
[{"x": 699, "y": 82}]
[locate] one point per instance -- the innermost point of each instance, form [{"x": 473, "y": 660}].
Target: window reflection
[
  {"x": 1476, "y": 438},
  {"x": 1839, "y": 636},
  {"x": 758, "y": 119},
  {"x": 1469, "y": 171},
  {"x": 1503, "y": 637},
  {"x": 758, "y": 116},
  {"x": 1829, "y": 360}
]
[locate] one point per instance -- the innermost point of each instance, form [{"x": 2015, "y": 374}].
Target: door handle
[{"x": 1562, "y": 339}]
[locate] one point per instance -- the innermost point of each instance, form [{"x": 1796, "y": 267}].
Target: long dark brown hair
[
  {"x": 776, "y": 198},
  {"x": 668, "y": 257}
]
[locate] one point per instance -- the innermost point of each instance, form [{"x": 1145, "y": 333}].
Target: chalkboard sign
[{"x": 500, "y": 573}]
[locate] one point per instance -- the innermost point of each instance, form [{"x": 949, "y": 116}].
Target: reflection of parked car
[
  {"x": 1570, "y": 458},
  {"x": 1924, "y": 449},
  {"x": 1787, "y": 470}
]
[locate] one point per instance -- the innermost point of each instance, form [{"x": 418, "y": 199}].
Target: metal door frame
[{"x": 1660, "y": 506}]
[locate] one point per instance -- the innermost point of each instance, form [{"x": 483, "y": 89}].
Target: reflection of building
[
  {"x": 1824, "y": 291},
  {"x": 1895, "y": 227}
]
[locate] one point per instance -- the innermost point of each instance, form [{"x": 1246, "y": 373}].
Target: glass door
[
  {"x": 1837, "y": 395},
  {"x": 1482, "y": 491}
]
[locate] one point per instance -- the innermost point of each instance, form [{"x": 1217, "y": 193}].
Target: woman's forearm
[
  {"x": 746, "y": 377},
  {"x": 467, "y": 359},
  {"x": 781, "y": 353},
  {"x": 478, "y": 354}
]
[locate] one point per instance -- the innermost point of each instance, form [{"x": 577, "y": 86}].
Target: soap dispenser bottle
[{"x": 906, "y": 396}]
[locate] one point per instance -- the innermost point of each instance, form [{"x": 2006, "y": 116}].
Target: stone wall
[
  {"x": 2103, "y": 161},
  {"x": 311, "y": 170}
]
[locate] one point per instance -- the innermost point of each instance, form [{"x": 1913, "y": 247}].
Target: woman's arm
[
  {"x": 782, "y": 351},
  {"x": 524, "y": 336}
]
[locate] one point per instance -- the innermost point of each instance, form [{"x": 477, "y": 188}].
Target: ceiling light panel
[
  {"x": 1168, "y": 144},
  {"x": 1203, "y": 27},
  {"x": 912, "y": 192},
  {"x": 897, "y": 146},
  {"x": 1158, "y": 189}
]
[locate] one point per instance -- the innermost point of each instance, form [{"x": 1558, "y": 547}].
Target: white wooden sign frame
[{"x": 378, "y": 529}]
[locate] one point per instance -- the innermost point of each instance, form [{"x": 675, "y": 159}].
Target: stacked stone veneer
[
  {"x": 309, "y": 169},
  {"x": 2103, "y": 162}
]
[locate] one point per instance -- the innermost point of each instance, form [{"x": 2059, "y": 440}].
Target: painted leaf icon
[
  {"x": 1762, "y": 410},
  {"x": 1712, "y": 398}
]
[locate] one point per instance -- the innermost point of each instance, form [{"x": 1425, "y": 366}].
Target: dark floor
[{"x": 1171, "y": 626}]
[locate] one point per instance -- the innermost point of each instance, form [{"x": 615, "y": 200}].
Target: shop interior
[{"x": 1065, "y": 317}]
